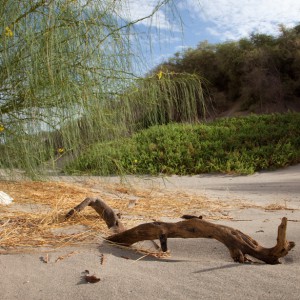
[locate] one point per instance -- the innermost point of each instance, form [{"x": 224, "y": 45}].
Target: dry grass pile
[{"x": 36, "y": 217}]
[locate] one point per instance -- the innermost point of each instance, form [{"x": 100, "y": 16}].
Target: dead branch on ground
[{"x": 238, "y": 243}]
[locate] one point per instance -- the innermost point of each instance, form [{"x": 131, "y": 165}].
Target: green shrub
[{"x": 235, "y": 145}]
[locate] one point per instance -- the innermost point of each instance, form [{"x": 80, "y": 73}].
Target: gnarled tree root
[
  {"x": 105, "y": 212},
  {"x": 238, "y": 243}
]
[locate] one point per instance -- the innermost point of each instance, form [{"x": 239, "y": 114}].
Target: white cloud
[
  {"x": 181, "y": 48},
  {"x": 233, "y": 19},
  {"x": 136, "y": 9}
]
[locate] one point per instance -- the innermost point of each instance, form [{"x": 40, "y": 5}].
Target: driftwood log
[{"x": 238, "y": 243}]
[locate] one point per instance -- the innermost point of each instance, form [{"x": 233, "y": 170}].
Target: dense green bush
[{"x": 235, "y": 145}]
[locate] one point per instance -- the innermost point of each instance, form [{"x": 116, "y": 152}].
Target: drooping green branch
[{"x": 68, "y": 79}]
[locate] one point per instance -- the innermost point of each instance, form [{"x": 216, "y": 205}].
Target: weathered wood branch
[
  {"x": 105, "y": 212},
  {"x": 238, "y": 243}
]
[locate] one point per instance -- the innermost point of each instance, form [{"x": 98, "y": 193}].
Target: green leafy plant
[{"x": 236, "y": 145}]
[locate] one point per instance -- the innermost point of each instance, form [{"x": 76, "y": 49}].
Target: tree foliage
[
  {"x": 261, "y": 73},
  {"x": 68, "y": 78}
]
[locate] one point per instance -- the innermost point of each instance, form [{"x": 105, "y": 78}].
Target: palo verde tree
[{"x": 68, "y": 77}]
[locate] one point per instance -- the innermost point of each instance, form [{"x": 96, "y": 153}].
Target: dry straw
[{"x": 36, "y": 217}]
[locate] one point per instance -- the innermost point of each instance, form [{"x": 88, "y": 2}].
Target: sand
[{"x": 195, "y": 268}]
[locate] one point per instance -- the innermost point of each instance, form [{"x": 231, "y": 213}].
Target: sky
[{"x": 213, "y": 20}]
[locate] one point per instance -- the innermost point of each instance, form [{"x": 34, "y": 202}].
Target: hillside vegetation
[
  {"x": 236, "y": 145},
  {"x": 259, "y": 74}
]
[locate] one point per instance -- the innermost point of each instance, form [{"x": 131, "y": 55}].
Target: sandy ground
[{"x": 195, "y": 269}]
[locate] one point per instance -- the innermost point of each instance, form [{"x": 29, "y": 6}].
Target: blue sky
[{"x": 212, "y": 20}]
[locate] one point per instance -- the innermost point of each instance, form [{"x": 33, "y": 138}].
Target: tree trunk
[{"x": 238, "y": 243}]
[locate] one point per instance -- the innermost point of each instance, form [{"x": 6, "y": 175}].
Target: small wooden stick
[{"x": 105, "y": 212}]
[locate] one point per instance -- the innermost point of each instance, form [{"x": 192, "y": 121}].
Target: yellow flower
[
  {"x": 160, "y": 75},
  {"x": 135, "y": 161},
  {"x": 1, "y": 128},
  {"x": 8, "y": 32},
  {"x": 60, "y": 150}
]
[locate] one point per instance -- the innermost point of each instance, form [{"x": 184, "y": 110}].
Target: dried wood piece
[
  {"x": 105, "y": 212},
  {"x": 91, "y": 279},
  {"x": 101, "y": 258},
  {"x": 45, "y": 259},
  {"x": 187, "y": 217},
  {"x": 65, "y": 256},
  {"x": 238, "y": 243}
]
